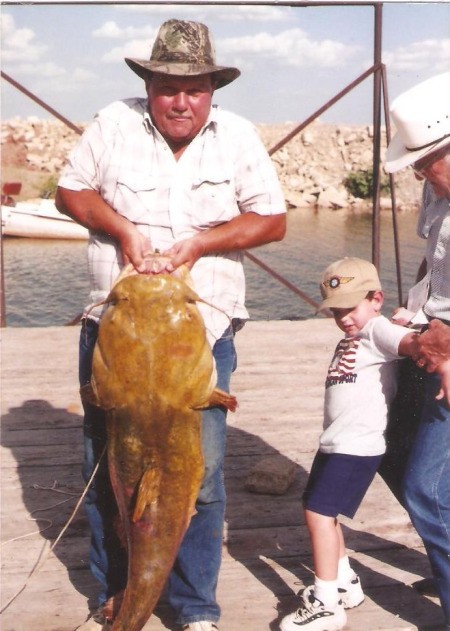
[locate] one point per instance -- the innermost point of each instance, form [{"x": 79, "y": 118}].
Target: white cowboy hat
[{"x": 421, "y": 117}]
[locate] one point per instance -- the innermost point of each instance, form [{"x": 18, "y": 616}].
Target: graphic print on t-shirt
[{"x": 342, "y": 365}]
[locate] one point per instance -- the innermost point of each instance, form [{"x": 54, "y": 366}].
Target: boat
[{"x": 39, "y": 219}]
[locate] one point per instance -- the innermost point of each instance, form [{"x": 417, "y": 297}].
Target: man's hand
[
  {"x": 433, "y": 354},
  {"x": 186, "y": 252},
  {"x": 248, "y": 230},
  {"x": 434, "y": 346},
  {"x": 444, "y": 371},
  {"x": 134, "y": 246}
]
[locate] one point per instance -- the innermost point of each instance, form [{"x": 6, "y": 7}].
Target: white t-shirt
[{"x": 360, "y": 384}]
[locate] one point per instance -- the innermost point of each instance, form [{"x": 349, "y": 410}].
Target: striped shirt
[
  {"x": 434, "y": 225},
  {"x": 225, "y": 171}
]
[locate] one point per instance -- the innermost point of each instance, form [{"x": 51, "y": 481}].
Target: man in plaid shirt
[{"x": 175, "y": 174}]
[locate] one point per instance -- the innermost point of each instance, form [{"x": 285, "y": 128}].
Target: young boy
[{"x": 360, "y": 384}]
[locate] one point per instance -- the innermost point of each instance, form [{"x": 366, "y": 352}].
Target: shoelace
[{"x": 310, "y": 606}]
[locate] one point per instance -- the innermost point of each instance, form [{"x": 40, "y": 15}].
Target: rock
[
  {"x": 36, "y": 160},
  {"x": 300, "y": 200},
  {"x": 332, "y": 198},
  {"x": 307, "y": 138},
  {"x": 312, "y": 166},
  {"x": 273, "y": 475}
]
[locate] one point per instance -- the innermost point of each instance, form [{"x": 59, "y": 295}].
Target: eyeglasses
[
  {"x": 421, "y": 166},
  {"x": 421, "y": 170}
]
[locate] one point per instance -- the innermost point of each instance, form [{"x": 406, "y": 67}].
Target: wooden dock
[{"x": 266, "y": 556}]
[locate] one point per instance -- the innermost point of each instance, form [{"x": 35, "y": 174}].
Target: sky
[{"x": 293, "y": 59}]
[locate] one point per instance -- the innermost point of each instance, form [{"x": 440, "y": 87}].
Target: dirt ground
[{"x": 14, "y": 168}]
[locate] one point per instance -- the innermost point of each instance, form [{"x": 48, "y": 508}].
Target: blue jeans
[
  {"x": 107, "y": 557},
  {"x": 193, "y": 581},
  {"x": 426, "y": 487}
]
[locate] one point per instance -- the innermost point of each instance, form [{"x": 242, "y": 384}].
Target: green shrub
[
  {"x": 360, "y": 183},
  {"x": 48, "y": 189}
]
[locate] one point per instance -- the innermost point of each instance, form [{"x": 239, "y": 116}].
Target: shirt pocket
[
  {"x": 136, "y": 198},
  {"x": 213, "y": 198}
]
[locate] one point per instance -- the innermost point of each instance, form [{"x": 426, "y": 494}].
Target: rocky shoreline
[{"x": 312, "y": 166}]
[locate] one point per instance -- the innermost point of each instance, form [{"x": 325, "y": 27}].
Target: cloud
[
  {"x": 79, "y": 78},
  {"x": 22, "y": 53},
  {"x": 429, "y": 53},
  {"x": 139, "y": 48},
  {"x": 236, "y": 13},
  {"x": 138, "y": 41},
  {"x": 17, "y": 43},
  {"x": 243, "y": 13},
  {"x": 47, "y": 70},
  {"x": 290, "y": 47},
  {"x": 81, "y": 75},
  {"x": 111, "y": 30}
]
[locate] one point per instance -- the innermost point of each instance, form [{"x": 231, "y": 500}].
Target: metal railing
[{"x": 378, "y": 71}]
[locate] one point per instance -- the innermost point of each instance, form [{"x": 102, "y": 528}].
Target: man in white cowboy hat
[
  {"x": 175, "y": 174},
  {"x": 422, "y": 120}
]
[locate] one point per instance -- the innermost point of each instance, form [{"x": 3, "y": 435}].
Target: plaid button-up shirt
[
  {"x": 434, "y": 225},
  {"x": 223, "y": 172}
]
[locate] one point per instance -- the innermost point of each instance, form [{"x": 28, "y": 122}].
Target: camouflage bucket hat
[{"x": 183, "y": 49}]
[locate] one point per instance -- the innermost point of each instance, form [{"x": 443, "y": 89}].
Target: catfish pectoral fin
[
  {"x": 148, "y": 491},
  {"x": 226, "y": 400}
]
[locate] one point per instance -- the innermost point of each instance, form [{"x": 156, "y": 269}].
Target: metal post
[
  {"x": 376, "y": 136},
  {"x": 392, "y": 188},
  {"x": 2, "y": 286},
  {"x": 321, "y": 110}
]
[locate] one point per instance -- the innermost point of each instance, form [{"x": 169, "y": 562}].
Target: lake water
[{"x": 46, "y": 281}]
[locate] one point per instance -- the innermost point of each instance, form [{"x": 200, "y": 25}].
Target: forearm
[
  {"x": 89, "y": 209},
  {"x": 243, "y": 232}
]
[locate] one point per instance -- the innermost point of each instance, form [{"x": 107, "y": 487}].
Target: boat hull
[{"x": 39, "y": 220}]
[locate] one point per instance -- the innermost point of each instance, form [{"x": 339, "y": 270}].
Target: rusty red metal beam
[{"x": 40, "y": 102}]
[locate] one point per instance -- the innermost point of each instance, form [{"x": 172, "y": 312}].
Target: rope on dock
[{"x": 40, "y": 561}]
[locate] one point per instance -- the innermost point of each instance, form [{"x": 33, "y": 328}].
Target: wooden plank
[{"x": 266, "y": 560}]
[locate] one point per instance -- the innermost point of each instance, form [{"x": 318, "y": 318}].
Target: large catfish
[{"x": 153, "y": 371}]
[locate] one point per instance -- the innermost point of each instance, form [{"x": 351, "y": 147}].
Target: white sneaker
[
  {"x": 203, "y": 625},
  {"x": 312, "y": 615},
  {"x": 351, "y": 594}
]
